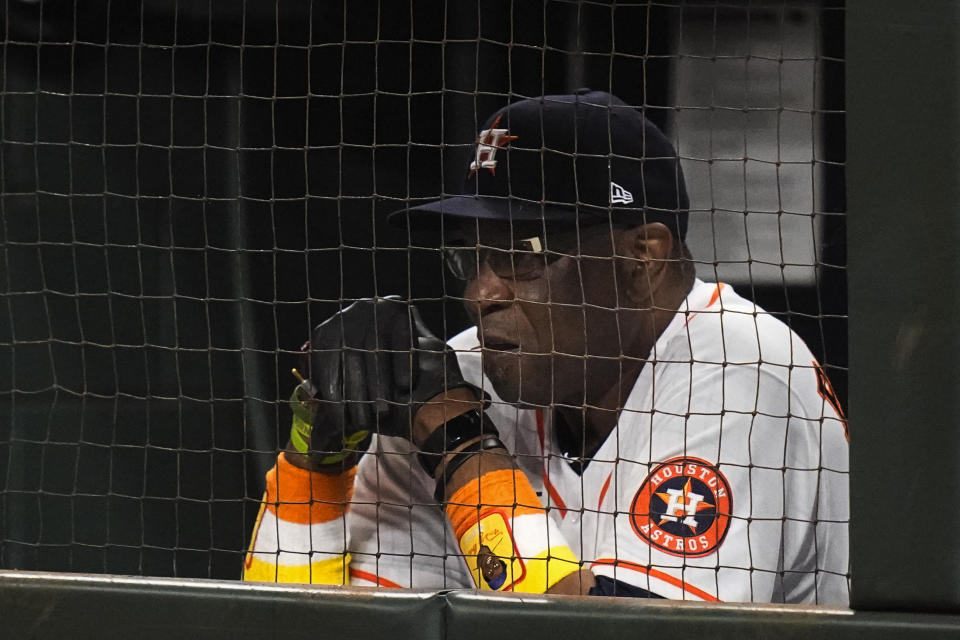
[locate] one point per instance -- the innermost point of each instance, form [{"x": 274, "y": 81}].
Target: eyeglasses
[{"x": 525, "y": 258}]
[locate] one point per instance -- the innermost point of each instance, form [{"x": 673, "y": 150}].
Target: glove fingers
[
  {"x": 433, "y": 361},
  {"x": 420, "y": 325},
  {"x": 326, "y": 374},
  {"x": 327, "y": 371},
  {"x": 357, "y": 322},
  {"x": 355, "y": 392},
  {"x": 376, "y": 360},
  {"x": 400, "y": 343},
  {"x": 422, "y": 338},
  {"x": 325, "y": 363}
]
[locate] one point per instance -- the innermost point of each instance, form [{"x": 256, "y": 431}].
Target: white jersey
[{"x": 724, "y": 479}]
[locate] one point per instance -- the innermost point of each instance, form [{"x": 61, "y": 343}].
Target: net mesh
[{"x": 188, "y": 190}]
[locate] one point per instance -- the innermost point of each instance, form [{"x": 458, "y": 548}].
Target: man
[{"x": 611, "y": 425}]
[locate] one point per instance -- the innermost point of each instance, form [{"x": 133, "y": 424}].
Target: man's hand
[{"x": 373, "y": 365}]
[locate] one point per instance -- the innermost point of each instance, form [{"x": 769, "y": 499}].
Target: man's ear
[{"x": 647, "y": 250}]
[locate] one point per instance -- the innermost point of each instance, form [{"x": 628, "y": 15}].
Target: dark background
[{"x": 188, "y": 187}]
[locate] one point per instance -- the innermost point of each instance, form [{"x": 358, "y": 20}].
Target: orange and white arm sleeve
[
  {"x": 508, "y": 540},
  {"x": 301, "y": 532}
]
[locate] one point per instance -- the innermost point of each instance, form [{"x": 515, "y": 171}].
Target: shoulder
[
  {"x": 720, "y": 326},
  {"x": 724, "y": 338}
]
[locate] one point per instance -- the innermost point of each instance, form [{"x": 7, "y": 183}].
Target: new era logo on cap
[{"x": 619, "y": 195}]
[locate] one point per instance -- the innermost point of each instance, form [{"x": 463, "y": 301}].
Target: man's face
[{"x": 546, "y": 322}]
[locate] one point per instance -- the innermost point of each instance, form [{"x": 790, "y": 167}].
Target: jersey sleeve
[
  {"x": 733, "y": 498},
  {"x": 301, "y": 534}
]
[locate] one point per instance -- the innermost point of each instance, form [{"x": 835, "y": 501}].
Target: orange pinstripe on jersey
[
  {"x": 603, "y": 491},
  {"x": 555, "y": 496},
  {"x": 713, "y": 300},
  {"x": 377, "y": 580}
]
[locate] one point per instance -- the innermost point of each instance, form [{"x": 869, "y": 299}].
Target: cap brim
[{"x": 426, "y": 216}]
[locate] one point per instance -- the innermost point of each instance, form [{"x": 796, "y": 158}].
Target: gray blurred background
[{"x": 187, "y": 187}]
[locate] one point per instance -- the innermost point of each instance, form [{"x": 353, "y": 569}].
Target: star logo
[
  {"x": 683, "y": 503},
  {"x": 488, "y": 142}
]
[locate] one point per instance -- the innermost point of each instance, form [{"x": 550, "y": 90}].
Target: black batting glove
[{"x": 372, "y": 366}]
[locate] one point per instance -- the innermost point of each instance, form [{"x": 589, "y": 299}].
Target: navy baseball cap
[{"x": 582, "y": 158}]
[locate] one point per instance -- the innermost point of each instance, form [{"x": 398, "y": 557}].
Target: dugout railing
[
  {"x": 903, "y": 196},
  {"x": 64, "y": 605}
]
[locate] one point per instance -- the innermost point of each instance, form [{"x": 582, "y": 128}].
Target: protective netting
[{"x": 188, "y": 189}]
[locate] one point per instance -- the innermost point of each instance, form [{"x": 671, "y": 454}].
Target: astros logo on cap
[
  {"x": 488, "y": 142},
  {"x": 683, "y": 508}
]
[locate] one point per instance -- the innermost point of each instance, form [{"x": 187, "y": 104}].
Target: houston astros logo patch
[{"x": 683, "y": 508}]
